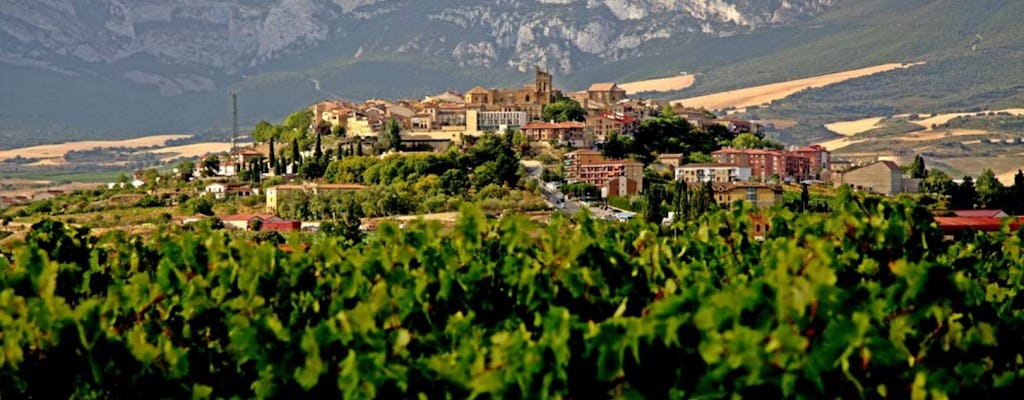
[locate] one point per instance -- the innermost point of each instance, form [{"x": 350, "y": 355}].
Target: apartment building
[
  {"x": 756, "y": 194},
  {"x": 613, "y": 177},
  {"x": 571, "y": 133},
  {"x": 764, "y": 165},
  {"x": 602, "y": 125},
  {"x": 712, "y": 172}
]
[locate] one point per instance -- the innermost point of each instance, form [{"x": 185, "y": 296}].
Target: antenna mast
[{"x": 234, "y": 118}]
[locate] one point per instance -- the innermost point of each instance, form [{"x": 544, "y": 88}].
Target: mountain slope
[
  {"x": 102, "y": 68},
  {"x": 107, "y": 68}
]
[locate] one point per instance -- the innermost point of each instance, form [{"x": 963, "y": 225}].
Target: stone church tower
[{"x": 542, "y": 84}]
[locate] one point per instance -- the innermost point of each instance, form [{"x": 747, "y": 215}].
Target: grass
[
  {"x": 65, "y": 176},
  {"x": 958, "y": 167}
]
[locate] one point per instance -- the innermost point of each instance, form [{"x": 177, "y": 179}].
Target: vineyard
[{"x": 866, "y": 302}]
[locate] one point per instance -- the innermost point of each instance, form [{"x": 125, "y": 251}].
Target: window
[{"x": 751, "y": 194}]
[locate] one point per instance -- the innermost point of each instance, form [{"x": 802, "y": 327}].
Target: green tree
[
  {"x": 752, "y": 141},
  {"x": 198, "y": 205},
  {"x": 564, "y": 109},
  {"x": 296, "y": 156},
  {"x": 917, "y": 168},
  {"x": 349, "y": 214},
  {"x": 185, "y": 169},
  {"x": 665, "y": 135},
  {"x": 391, "y": 137},
  {"x": 313, "y": 168},
  {"x": 265, "y": 131},
  {"x": 617, "y": 147},
  {"x": 299, "y": 121},
  {"x": 338, "y": 131},
  {"x": 359, "y": 147},
  {"x": 273, "y": 161},
  {"x": 652, "y": 205},
  {"x": 965, "y": 196},
  {"x": 990, "y": 190},
  {"x": 211, "y": 165},
  {"x": 938, "y": 183},
  {"x": 455, "y": 182},
  {"x": 680, "y": 201},
  {"x": 318, "y": 151}
]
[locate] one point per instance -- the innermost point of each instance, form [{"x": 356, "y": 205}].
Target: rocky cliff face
[{"x": 191, "y": 45}]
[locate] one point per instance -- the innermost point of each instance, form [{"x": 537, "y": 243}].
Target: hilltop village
[
  {"x": 586, "y": 132},
  {"x": 341, "y": 166}
]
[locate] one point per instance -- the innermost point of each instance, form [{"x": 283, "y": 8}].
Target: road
[{"x": 553, "y": 196}]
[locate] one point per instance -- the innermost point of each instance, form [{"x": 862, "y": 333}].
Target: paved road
[{"x": 554, "y": 197}]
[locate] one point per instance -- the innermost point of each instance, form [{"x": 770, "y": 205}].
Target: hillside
[{"x": 144, "y": 67}]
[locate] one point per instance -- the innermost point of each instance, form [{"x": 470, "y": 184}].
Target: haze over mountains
[{"x": 118, "y": 68}]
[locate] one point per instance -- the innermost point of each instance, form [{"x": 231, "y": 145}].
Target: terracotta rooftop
[
  {"x": 586, "y": 151},
  {"x": 246, "y": 217},
  {"x": 603, "y": 87}
]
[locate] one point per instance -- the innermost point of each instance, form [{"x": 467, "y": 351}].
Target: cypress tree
[
  {"x": 679, "y": 203},
  {"x": 318, "y": 152},
  {"x": 272, "y": 160},
  {"x": 359, "y": 147},
  {"x": 296, "y": 157}
]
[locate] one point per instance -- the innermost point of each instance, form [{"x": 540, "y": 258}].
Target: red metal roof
[
  {"x": 984, "y": 224},
  {"x": 979, "y": 213}
]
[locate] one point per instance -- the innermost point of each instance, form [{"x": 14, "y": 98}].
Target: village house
[
  {"x": 244, "y": 222},
  {"x": 758, "y": 195},
  {"x": 613, "y": 177},
  {"x": 275, "y": 193},
  {"x": 736, "y": 125},
  {"x": 572, "y": 134},
  {"x": 882, "y": 177},
  {"x": 671, "y": 161},
  {"x": 602, "y": 125},
  {"x": 495, "y": 121},
  {"x": 639, "y": 109},
  {"x": 224, "y": 190},
  {"x": 448, "y": 96},
  {"x": 606, "y": 93},
  {"x": 712, "y": 172}
]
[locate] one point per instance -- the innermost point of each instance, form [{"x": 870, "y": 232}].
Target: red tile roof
[
  {"x": 603, "y": 87},
  {"x": 246, "y": 217}
]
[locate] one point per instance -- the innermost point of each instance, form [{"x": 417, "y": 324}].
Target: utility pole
[{"x": 234, "y": 119}]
